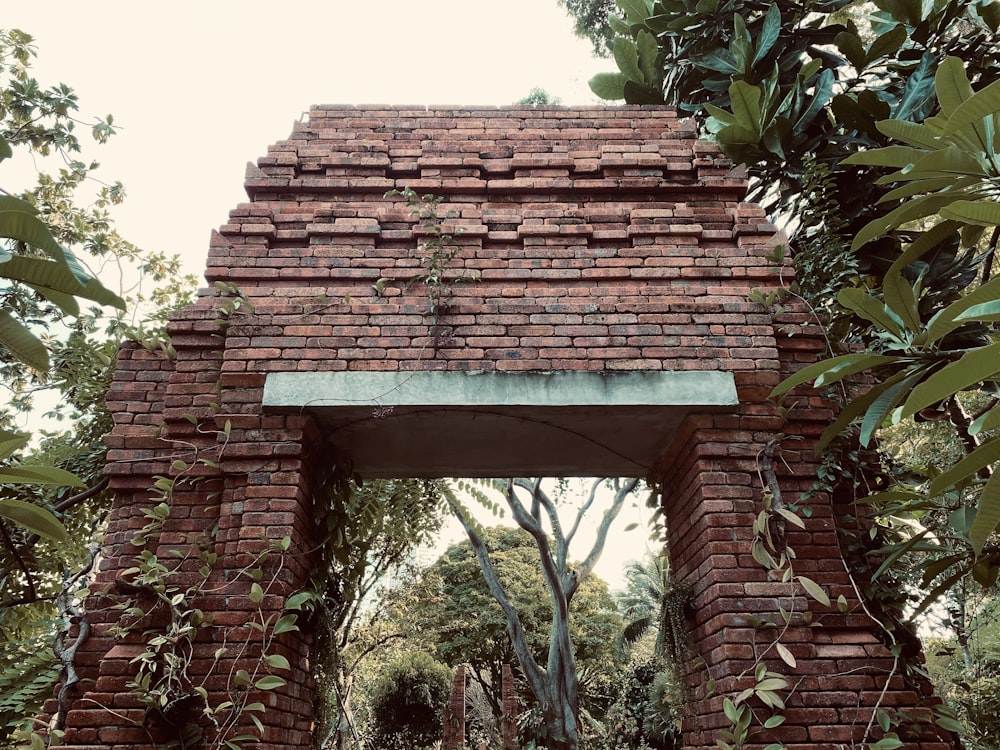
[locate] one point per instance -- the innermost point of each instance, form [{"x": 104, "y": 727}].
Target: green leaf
[
  {"x": 786, "y": 656},
  {"x": 989, "y": 311},
  {"x": 835, "y": 369},
  {"x": 982, "y": 212},
  {"x": 988, "y": 421},
  {"x": 768, "y": 33},
  {"x": 949, "y": 319},
  {"x": 285, "y": 624},
  {"x": 911, "y": 133},
  {"x": 277, "y": 661},
  {"x": 814, "y": 590},
  {"x": 608, "y": 86},
  {"x": 627, "y": 58},
  {"x": 886, "y": 44},
  {"x": 648, "y": 50},
  {"x": 888, "y": 156},
  {"x": 885, "y": 403},
  {"x": 33, "y": 518},
  {"x": 974, "y": 366},
  {"x": 871, "y": 309},
  {"x": 33, "y": 474},
  {"x": 849, "y": 44},
  {"x": 746, "y": 105},
  {"x": 269, "y": 683},
  {"x": 901, "y": 300},
  {"x": 22, "y": 343},
  {"x": 256, "y": 593},
  {"x": 981, "y": 104},
  {"x": 951, "y": 85},
  {"x": 984, "y": 455}
]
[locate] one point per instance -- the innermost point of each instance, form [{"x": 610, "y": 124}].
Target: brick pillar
[
  {"x": 454, "y": 714},
  {"x": 511, "y": 708},
  {"x": 244, "y": 482},
  {"x": 712, "y": 484}
]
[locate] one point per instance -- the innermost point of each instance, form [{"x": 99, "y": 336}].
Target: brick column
[
  {"x": 454, "y": 713},
  {"x": 511, "y": 708}
]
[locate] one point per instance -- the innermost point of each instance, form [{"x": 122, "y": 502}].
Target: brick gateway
[{"x": 608, "y": 330}]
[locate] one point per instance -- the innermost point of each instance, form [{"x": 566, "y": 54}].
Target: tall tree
[
  {"x": 556, "y": 684},
  {"x": 372, "y": 530}
]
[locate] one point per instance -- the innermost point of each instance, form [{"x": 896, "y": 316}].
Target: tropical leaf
[
  {"x": 982, "y": 212},
  {"x": 951, "y": 85},
  {"x": 871, "y": 309},
  {"x": 985, "y": 455},
  {"x": 987, "y": 514},
  {"x": 22, "y": 343},
  {"x": 835, "y": 369},
  {"x": 33, "y": 518},
  {"x": 974, "y": 366},
  {"x": 608, "y": 86},
  {"x": 981, "y": 104}
]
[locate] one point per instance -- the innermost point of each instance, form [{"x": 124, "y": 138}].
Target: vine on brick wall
[{"x": 438, "y": 252}]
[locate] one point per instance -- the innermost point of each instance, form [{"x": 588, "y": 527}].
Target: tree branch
[
  {"x": 532, "y": 671},
  {"x": 587, "y": 566}
]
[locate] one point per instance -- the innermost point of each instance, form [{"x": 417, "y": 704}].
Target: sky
[{"x": 198, "y": 89}]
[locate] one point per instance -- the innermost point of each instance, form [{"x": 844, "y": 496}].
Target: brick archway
[{"x": 608, "y": 328}]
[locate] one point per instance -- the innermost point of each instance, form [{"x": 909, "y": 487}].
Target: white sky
[
  {"x": 201, "y": 88},
  {"x": 198, "y": 89}
]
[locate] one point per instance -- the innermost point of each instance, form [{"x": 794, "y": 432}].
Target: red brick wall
[{"x": 602, "y": 239}]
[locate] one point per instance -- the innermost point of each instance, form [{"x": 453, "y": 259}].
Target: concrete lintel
[{"x": 446, "y": 423}]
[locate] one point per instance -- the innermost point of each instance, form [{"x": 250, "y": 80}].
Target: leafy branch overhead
[{"x": 925, "y": 356}]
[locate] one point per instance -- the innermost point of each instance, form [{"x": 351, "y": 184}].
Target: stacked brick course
[{"x": 603, "y": 239}]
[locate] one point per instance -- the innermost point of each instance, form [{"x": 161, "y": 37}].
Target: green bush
[{"x": 407, "y": 702}]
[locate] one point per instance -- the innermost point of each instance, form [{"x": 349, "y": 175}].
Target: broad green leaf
[
  {"x": 981, "y": 104},
  {"x": 786, "y": 656},
  {"x": 988, "y": 311},
  {"x": 918, "y": 94},
  {"x": 949, "y": 319},
  {"x": 746, "y": 105},
  {"x": 721, "y": 115},
  {"x": 909, "y": 211},
  {"x": 256, "y": 593},
  {"x": 608, "y": 86},
  {"x": 901, "y": 300},
  {"x": 842, "y": 366},
  {"x": 885, "y": 403},
  {"x": 22, "y": 343},
  {"x": 854, "y": 409},
  {"x": 886, "y": 44},
  {"x": 737, "y": 134},
  {"x": 974, "y": 366},
  {"x": 33, "y": 518},
  {"x": 927, "y": 241},
  {"x": 851, "y": 47},
  {"x": 930, "y": 185},
  {"x": 983, "y": 212},
  {"x": 912, "y": 133},
  {"x": 38, "y": 475},
  {"x": 889, "y": 156},
  {"x": 985, "y": 455},
  {"x": 988, "y": 421},
  {"x": 637, "y": 10},
  {"x": 768, "y": 33},
  {"x": 627, "y": 59},
  {"x": 871, "y": 309},
  {"x": 987, "y": 514},
  {"x": 648, "y": 51},
  {"x": 951, "y": 85},
  {"x": 11, "y": 442}
]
